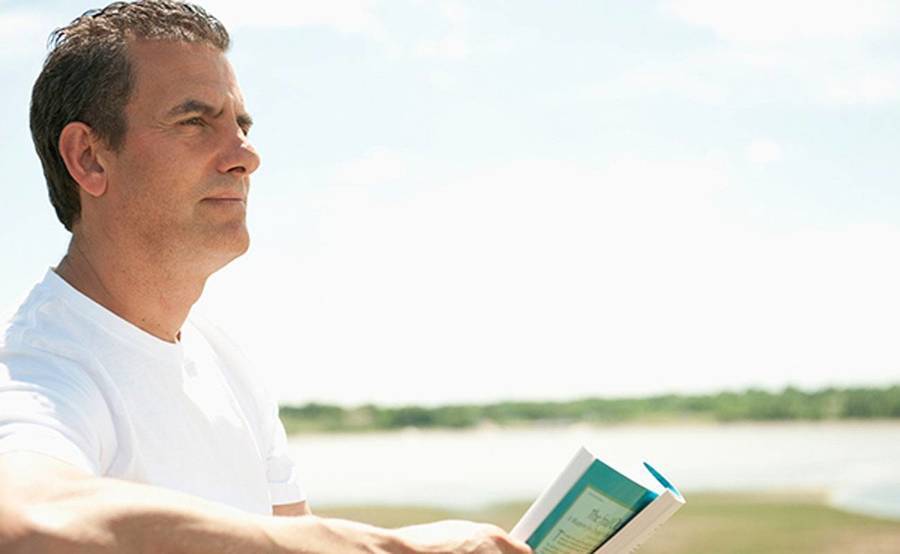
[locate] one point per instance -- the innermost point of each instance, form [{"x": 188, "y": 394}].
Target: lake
[{"x": 856, "y": 464}]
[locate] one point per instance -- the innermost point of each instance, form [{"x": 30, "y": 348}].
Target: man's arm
[
  {"x": 49, "y": 506},
  {"x": 295, "y": 509}
]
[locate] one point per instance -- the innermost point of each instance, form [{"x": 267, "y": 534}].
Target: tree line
[{"x": 749, "y": 405}]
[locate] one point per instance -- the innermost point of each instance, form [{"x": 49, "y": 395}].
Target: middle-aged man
[{"x": 125, "y": 425}]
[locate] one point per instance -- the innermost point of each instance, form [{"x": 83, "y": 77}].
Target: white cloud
[
  {"x": 758, "y": 65},
  {"x": 454, "y": 12},
  {"x": 867, "y": 87},
  {"x": 23, "y": 33},
  {"x": 378, "y": 167},
  {"x": 345, "y": 16},
  {"x": 801, "y": 52},
  {"x": 763, "y": 152},
  {"x": 452, "y": 46},
  {"x": 18, "y": 23},
  {"x": 694, "y": 79},
  {"x": 777, "y": 21}
]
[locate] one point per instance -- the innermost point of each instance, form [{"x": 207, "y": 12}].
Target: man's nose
[{"x": 240, "y": 156}]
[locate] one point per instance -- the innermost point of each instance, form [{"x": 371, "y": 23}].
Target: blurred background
[{"x": 472, "y": 214}]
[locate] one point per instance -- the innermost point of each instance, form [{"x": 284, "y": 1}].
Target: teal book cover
[{"x": 600, "y": 503}]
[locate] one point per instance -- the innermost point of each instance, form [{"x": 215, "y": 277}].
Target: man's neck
[{"x": 150, "y": 294}]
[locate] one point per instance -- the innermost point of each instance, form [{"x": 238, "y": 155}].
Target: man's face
[{"x": 178, "y": 185}]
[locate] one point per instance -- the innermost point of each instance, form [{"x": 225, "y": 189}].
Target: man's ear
[{"x": 79, "y": 149}]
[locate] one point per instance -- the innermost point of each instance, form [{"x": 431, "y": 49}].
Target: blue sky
[{"x": 467, "y": 200}]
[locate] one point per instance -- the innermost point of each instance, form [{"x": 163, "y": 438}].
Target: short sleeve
[
  {"x": 49, "y": 406},
  {"x": 281, "y": 471}
]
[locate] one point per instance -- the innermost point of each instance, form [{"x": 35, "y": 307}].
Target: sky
[{"x": 470, "y": 201}]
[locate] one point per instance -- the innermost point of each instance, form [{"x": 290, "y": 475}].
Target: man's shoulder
[
  {"x": 35, "y": 376},
  {"x": 45, "y": 372},
  {"x": 42, "y": 325},
  {"x": 42, "y": 343},
  {"x": 26, "y": 364},
  {"x": 19, "y": 321}
]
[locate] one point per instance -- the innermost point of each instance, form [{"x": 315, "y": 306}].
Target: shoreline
[{"x": 654, "y": 424}]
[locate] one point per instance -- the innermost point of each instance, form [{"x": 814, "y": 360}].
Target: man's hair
[{"x": 87, "y": 77}]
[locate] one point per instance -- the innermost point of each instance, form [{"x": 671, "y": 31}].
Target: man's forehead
[
  {"x": 172, "y": 72},
  {"x": 174, "y": 53}
]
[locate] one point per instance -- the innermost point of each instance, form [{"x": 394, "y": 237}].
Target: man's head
[{"x": 140, "y": 125}]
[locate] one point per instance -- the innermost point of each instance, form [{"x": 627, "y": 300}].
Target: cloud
[
  {"x": 23, "y": 33},
  {"x": 380, "y": 166},
  {"x": 804, "y": 53},
  {"x": 774, "y": 21},
  {"x": 345, "y": 16},
  {"x": 763, "y": 152},
  {"x": 740, "y": 77},
  {"x": 692, "y": 79},
  {"x": 453, "y": 11},
  {"x": 443, "y": 23},
  {"x": 18, "y": 23},
  {"x": 866, "y": 87},
  {"x": 453, "y": 46}
]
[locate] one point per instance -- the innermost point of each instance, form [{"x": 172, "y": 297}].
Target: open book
[{"x": 591, "y": 507}]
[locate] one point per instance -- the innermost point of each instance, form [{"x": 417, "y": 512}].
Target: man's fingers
[{"x": 465, "y": 537}]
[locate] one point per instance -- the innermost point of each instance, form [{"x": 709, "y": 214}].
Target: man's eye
[{"x": 194, "y": 121}]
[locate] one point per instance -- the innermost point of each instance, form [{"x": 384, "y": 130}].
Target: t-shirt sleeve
[
  {"x": 51, "y": 407},
  {"x": 281, "y": 471}
]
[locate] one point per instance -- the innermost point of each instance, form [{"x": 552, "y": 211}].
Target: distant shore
[{"x": 790, "y": 404}]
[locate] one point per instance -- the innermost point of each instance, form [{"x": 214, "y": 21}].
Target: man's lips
[{"x": 226, "y": 198}]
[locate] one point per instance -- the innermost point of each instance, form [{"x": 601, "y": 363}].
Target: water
[{"x": 856, "y": 464}]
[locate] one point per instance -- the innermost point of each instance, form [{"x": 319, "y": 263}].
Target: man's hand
[
  {"x": 462, "y": 537},
  {"x": 315, "y": 534}
]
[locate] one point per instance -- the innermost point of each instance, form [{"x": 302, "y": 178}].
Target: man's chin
[{"x": 228, "y": 244}]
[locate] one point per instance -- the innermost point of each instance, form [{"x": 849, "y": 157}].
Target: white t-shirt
[{"x": 83, "y": 385}]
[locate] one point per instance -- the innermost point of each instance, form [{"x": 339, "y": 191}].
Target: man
[{"x": 124, "y": 425}]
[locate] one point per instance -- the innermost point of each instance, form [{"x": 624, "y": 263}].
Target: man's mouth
[{"x": 232, "y": 197}]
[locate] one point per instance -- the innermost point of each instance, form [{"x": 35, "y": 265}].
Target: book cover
[{"x": 593, "y": 507}]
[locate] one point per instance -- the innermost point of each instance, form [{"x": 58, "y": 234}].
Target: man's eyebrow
[
  {"x": 245, "y": 121},
  {"x": 192, "y": 105}
]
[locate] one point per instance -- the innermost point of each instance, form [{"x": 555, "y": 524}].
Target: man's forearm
[{"x": 106, "y": 515}]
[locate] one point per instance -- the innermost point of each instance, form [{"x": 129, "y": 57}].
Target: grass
[{"x": 782, "y": 523}]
